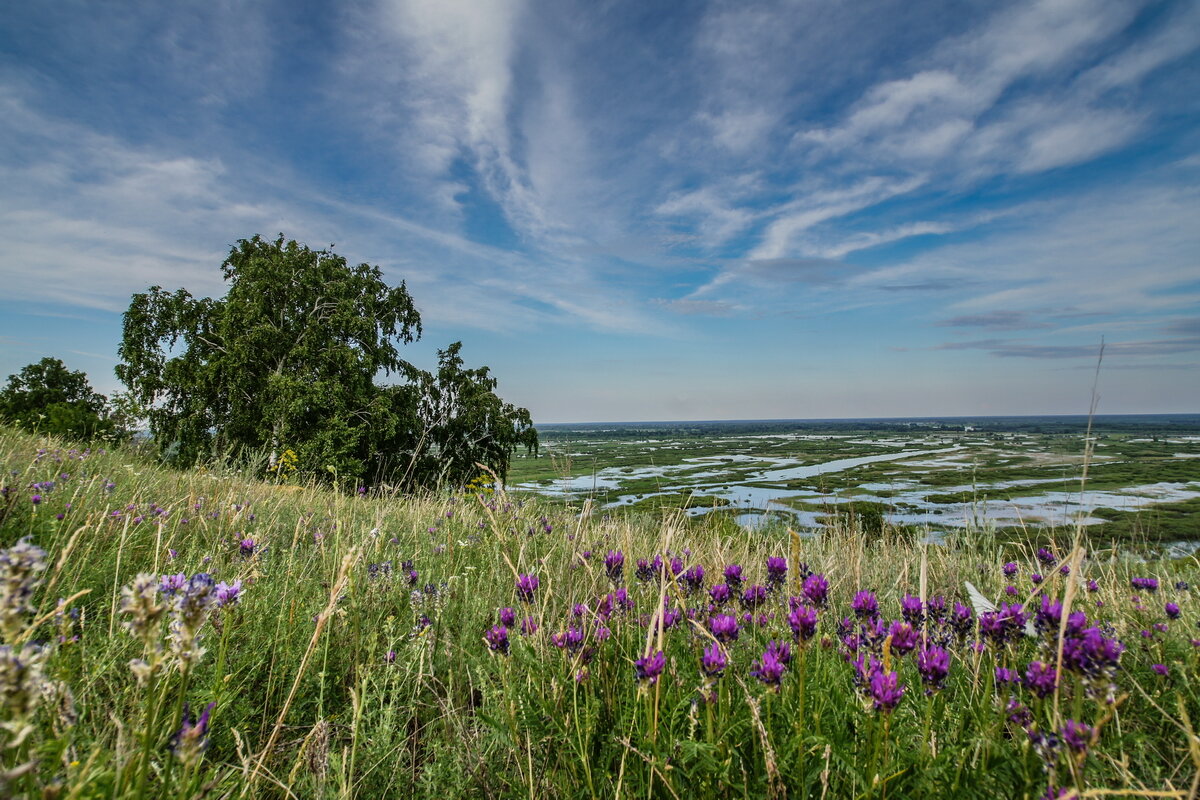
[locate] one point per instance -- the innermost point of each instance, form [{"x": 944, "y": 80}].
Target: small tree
[
  {"x": 463, "y": 422},
  {"x": 287, "y": 359},
  {"x": 49, "y": 398}
]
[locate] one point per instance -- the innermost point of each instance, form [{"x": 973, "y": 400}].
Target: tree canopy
[
  {"x": 49, "y": 398},
  {"x": 287, "y": 360}
]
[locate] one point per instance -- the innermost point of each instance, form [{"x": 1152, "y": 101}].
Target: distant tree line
[{"x": 46, "y": 397}]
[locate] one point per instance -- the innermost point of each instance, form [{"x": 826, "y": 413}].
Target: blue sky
[{"x": 640, "y": 210}]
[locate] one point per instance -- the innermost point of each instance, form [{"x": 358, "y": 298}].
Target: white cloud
[
  {"x": 715, "y": 217},
  {"x": 811, "y": 208},
  {"x": 944, "y": 116},
  {"x": 92, "y": 219},
  {"x": 1116, "y": 252}
]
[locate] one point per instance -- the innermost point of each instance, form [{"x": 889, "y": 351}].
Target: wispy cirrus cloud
[
  {"x": 1005, "y": 348},
  {"x": 996, "y": 320}
]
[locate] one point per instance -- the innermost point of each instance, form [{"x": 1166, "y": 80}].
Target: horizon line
[{"x": 874, "y": 419}]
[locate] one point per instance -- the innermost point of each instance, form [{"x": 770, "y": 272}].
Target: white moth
[{"x": 983, "y": 606}]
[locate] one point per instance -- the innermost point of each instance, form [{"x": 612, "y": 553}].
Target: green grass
[{"x": 333, "y": 678}]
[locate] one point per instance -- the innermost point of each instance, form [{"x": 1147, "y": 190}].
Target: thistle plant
[
  {"x": 142, "y": 601},
  {"x": 21, "y": 567}
]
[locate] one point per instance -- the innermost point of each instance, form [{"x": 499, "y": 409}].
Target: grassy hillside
[{"x": 323, "y": 645}]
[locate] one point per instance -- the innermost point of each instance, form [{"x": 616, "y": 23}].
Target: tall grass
[{"x": 342, "y": 670}]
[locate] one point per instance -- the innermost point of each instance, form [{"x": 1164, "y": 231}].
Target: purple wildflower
[
  {"x": 1161, "y": 669},
  {"x": 1041, "y": 679},
  {"x": 529, "y": 626},
  {"x": 713, "y": 661},
  {"x": 693, "y": 579},
  {"x": 1092, "y": 654},
  {"x": 228, "y": 593},
  {"x": 508, "y": 617},
  {"x": 782, "y": 650},
  {"x": 912, "y": 609},
  {"x": 733, "y": 576},
  {"x": 1049, "y": 616},
  {"x": 803, "y": 622},
  {"x": 1004, "y": 676},
  {"x": 191, "y": 740},
  {"x": 776, "y": 570},
  {"x": 171, "y": 584},
  {"x": 1172, "y": 610},
  {"x": 622, "y": 598},
  {"x": 865, "y": 605},
  {"x": 670, "y": 618},
  {"x": 614, "y": 565},
  {"x": 933, "y": 663},
  {"x": 645, "y": 570},
  {"x": 754, "y": 596},
  {"x": 724, "y": 628},
  {"x": 651, "y": 667},
  {"x": 719, "y": 594},
  {"x": 886, "y": 690},
  {"x": 497, "y": 639},
  {"x": 1145, "y": 584},
  {"x": 816, "y": 589},
  {"x": 1046, "y": 557},
  {"x": 526, "y": 586},
  {"x": 904, "y": 637},
  {"x": 1010, "y": 569},
  {"x": 770, "y": 668},
  {"x": 1077, "y": 736},
  {"x": 962, "y": 619},
  {"x": 571, "y": 639}
]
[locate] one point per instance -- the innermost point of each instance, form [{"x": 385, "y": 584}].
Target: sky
[{"x": 640, "y": 210}]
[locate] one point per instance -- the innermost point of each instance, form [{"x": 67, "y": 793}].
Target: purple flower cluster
[
  {"x": 651, "y": 667},
  {"x": 912, "y": 609},
  {"x": 886, "y": 691},
  {"x": 1145, "y": 584},
  {"x": 526, "y": 586},
  {"x": 614, "y": 565},
  {"x": 772, "y": 665},
  {"x": 497, "y": 639},
  {"x": 733, "y": 576},
  {"x": 816, "y": 590},
  {"x": 803, "y": 622},
  {"x": 933, "y": 664},
  {"x": 724, "y": 628},
  {"x": 693, "y": 579},
  {"x": 776, "y": 571},
  {"x": 865, "y": 605},
  {"x": 714, "y": 661}
]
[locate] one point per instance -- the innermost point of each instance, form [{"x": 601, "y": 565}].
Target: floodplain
[{"x": 1142, "y": 477}]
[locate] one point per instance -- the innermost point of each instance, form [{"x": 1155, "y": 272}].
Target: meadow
[{"x": 180, "y": 634}]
